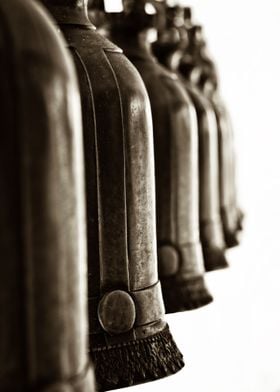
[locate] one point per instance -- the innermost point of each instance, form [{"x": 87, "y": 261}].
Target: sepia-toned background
[{"x": 233, "y": 345}]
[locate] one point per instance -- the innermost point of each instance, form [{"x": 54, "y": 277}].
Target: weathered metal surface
[
  {"x": 176, "y": 161},
  {"x": 211, "y": 231},
  {"x": 119, "y": 160},
  {"x": 198, "y": 67},
  {"x": 43, "y": 329}
]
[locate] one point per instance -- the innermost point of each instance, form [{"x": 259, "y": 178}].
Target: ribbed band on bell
[
  {"x": 80, "y": 383},
  {"x": 129, "y": 341},
  {"x": 136, "y": 361},
  {"x": 182, "y": 279}
]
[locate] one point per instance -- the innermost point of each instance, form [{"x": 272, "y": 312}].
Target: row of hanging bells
[{"x": 118, "y": 190}]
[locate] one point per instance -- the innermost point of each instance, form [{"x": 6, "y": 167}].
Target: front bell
[
  {"x": 130, "y": 341},
  {"x": 43, "y": 280}
]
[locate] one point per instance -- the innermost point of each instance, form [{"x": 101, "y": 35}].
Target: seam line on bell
[{"x": 124, "y": 169}]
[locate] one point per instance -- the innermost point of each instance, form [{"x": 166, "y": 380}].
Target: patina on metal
[
  {"x": 169, "y": 53},
  {"x": 129, "y": 339},
  {"x": 43, "y": 280},
  {"x": 180, "y": 255}
]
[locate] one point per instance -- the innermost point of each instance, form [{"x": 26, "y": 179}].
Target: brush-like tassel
[{"x": 137, "y": 361}]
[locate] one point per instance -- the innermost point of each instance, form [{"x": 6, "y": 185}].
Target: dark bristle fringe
[
  {"x": 240, "y": 219},
  {"x": 182, "y": 295},
  {"x": 214, "y": 259},
  {"x": 231, "y": 239},
  {"x": 232, "y": 231},
  {"x": 137, "y": 361}
]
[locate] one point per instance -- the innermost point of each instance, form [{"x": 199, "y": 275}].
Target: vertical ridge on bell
[
  {"x": 130, "y": 342},
  {"x": 44, "y": 328},
  {"x": 176, "y": 161},
  {"x": 169, "y": 52}
]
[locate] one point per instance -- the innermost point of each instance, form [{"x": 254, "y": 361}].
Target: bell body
[
  {"x": 198, "y": 67},
  {"x": 180, "y": 258},
  {"x": 43, "y": 280},
  {"x": 231, "y": 214},
  {"x": 211, "y": 234},
  {"x": 211, "y": 230},
  {"x": 129, "y": 340}
]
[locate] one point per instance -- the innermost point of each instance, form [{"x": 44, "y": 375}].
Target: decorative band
[{"x": 119, "y": 311}]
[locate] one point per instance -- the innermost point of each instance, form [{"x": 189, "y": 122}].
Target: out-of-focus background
[{"x": 233, "y": 345}]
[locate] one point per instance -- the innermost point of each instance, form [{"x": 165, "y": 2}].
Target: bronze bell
[
  {"x": 176, "y": 162},
  {"x": 208, "y": 82},
  {"x": 211, "y": 231},
  {"x": 129, "y": 339},
  {"x": 44, "y": 328}
]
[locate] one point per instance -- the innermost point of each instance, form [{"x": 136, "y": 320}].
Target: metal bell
[
  {"x": 231, "y": 215},
  {"x": 43, "y": 280},
  {"x": 130, "y": 341},
  {"x": 211, "y": 231},
  {"x": 208, "y": 82},
  {"x": 180, "y": 256}
]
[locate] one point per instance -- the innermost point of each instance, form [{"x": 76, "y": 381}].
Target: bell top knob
[
  {"x": 187, "y": 13},
  {"x": 136, "y": 16},
  {"x": 74, "y": 4},
  {"x": 68, "y": 11}
]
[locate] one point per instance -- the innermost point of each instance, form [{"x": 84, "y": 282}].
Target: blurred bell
[
  {"x": 231, "y": 214},
  {"x": 208, "y": 83},
  {"x": 43, "y": 280},
  {"x": 176, "y": 161},
  {"x": 211, "y": 231},
  {"x": 129, "y": 339}
]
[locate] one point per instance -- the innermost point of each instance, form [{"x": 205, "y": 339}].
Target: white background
[{"x": 234, "y": 344}]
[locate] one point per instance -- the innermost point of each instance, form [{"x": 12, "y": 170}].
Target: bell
[
  {"x": 211, "y": 231},
  {"x": 231, "y": 214},
  {"x": 130, "y": 341},
  {"x": 180, "y": 256},
  {"x": 43, "y": 280}
]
